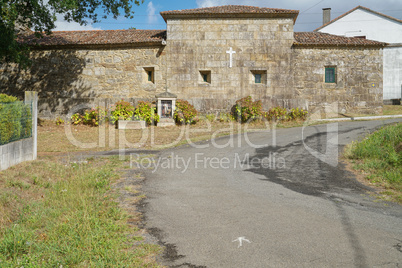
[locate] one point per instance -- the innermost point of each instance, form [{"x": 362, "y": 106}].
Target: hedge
[{"x": 15, "y": 121}]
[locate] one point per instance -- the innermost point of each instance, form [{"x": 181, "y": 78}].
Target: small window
[
  {"x": 205, "y": 77},
  {"x": 150, "y": 74},
  {"x": 259, "y": 77},
  {"x": 330, "y": 74}
]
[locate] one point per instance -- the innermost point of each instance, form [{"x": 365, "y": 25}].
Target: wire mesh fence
[{"x": 15, "y": 121}]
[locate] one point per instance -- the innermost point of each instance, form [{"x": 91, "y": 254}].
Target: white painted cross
[
  {"x": 241, "y": 239},
  {"x": 231, "y": 52}
]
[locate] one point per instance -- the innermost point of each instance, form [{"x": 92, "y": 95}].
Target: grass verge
[
  {"x": 379, "y": 158},
  {"x": 392, "y": 109},
  {"x": 54, "y": 139},
  {"x": 54, "y": 214},
  {"x": 387, "y": 110}
]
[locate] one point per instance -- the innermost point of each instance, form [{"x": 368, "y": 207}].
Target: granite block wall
[{"x": 359, "y": 81}]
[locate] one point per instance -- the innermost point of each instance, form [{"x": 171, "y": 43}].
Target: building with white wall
[{"x": 365, "y": 23}]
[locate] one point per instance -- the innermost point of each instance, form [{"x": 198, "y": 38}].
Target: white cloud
[
  {"x": 62, "y": 25},
  {"x": 151, "y": 12},
  {"x": 210, "y": 3}
]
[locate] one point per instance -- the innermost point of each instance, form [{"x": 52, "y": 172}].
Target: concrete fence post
[{"x": 31, "y": 97}]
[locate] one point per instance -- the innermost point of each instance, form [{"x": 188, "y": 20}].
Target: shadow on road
[{"x": 293, "y": 167}]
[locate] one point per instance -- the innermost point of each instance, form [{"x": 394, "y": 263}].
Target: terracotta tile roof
[
  {"x": 100, "y": 37},
  {"x": 324, "y": 39},
  {"x": 350, "y": 11},
  {"x": 231, "y": 10}
]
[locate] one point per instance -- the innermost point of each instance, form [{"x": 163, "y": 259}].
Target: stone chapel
[{"x": 208, "y": 56}]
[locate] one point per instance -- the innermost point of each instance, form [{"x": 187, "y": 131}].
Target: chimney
[{"x": 326, "y": 15}]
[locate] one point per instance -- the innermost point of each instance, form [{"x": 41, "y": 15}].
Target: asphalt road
[{"x": 282, "y": 194}]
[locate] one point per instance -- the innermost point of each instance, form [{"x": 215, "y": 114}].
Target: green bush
[
  {"x": 26, "y": 121},
  {"x": 185, "y": 113},
  {"x": 276, "y": 114},
  {"x": 15, "y": 119},
  {"x": 247, "y": 110},
  {"x": 297, "y": 114},
  {"x": 6, "y": 98},
  {"x": 145, "y": 111},
  {"x": 76, "y": 119},
  {"x": 123, "y": 110},
  {"x": 281, "y": 114},
  {"x": 59, "y": 121},
  {"x": 94, "y": 117}
]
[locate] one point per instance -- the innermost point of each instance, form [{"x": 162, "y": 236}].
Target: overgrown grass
[
  {"x": 387, "y": 110},
  {"x": 54, "y": 214},
  {"x": 392, "y": 109},
  {"x": 379, "y": 156}
]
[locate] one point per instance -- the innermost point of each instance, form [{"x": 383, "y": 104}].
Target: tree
[{"x": 17, "y": 16}]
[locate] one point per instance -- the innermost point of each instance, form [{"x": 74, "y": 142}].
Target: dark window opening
[
  {"x": 205, "y": 76},
  {"x": 258, "y": 78},
  {"x": 150, "y": 74},
  {"x": 330, "y": 75}
]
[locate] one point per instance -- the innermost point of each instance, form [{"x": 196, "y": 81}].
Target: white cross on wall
[{"x": 230, "y": 52}]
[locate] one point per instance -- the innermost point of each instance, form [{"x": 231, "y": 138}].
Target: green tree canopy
[{"x": 40, "y": 16}]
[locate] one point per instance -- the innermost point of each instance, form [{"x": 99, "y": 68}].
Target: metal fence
[{"x": 15, "y": 121}]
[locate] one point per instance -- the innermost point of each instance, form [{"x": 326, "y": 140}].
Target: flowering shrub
[
  {"x": 145, "y": 111},
  {"x": 94, "y": 117},
  {"x": 298, "y": 113},
  {"x": 281, "y": 114},
  {"x": 59, "y": 121},
  {"x": 185, "y": 113},
  {"x": 247, "y": 110},
  {"x": 123, "y": 110},
  {"x": 276, "y": 114},
  {"x": 76, "y": 119}
]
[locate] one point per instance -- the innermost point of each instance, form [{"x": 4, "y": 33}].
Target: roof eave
[
  {"x": 315, "y": 45},
  {"x": 97, "y": 46},
  {"x": 167, "y": 16}
]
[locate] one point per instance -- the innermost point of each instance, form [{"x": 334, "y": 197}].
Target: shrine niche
[{"x": 166, "y": 107}]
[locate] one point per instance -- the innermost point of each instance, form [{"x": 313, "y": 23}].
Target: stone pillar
[{"x": 31, "y": 97}]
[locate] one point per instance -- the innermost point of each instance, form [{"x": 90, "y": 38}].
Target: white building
[{"x": 365, "y": 23}]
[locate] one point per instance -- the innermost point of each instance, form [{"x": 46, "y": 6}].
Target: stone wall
[
  {"x": 65, "y": 78},
  {"x": 359, "y": 82},
  {"x": 290, "y": 76},
  {"x": 200, "y": 46}
]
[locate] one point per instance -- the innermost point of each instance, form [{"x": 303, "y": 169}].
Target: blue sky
[{"x": 310, "y": 17}]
